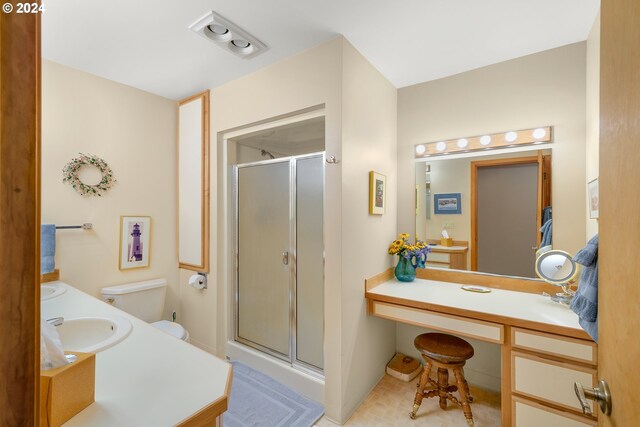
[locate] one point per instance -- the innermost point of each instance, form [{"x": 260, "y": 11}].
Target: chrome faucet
[{"x": 56, "y": 321}]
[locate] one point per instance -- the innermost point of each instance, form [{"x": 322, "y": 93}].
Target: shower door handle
[{"x": 285, "y": 258}]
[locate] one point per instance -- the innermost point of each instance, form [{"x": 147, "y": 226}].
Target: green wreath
[{"x": 70, "y": 175}]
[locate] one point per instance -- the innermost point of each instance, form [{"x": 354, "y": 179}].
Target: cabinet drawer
[
  {"x": 531, "y": 414},
  {"x": 555, "y": 345},
  {"x": 438, "y": 257},
  {"x": 472, "y": 328},
  {"x": 549, "y": 381}
]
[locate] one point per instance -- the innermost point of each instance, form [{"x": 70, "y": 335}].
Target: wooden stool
[{"x": 444, "y": 352}]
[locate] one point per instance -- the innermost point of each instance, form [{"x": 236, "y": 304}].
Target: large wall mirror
[
  {"x": 497, "y": 209},
  {"x": 193, "y": 183}
]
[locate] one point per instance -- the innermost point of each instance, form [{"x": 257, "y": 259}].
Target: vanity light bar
[{"x": 517, "y": 138}]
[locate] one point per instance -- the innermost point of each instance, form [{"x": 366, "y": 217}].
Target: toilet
[{"x": 144, "y": 300}]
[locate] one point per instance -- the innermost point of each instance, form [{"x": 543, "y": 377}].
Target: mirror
[
  {"x": 556, "y": 267},
  {"x": 493, "y": 206},
  {"x": 193, "y": 183}
]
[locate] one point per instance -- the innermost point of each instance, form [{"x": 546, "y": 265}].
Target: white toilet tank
[{"x": 144, "y": 300}]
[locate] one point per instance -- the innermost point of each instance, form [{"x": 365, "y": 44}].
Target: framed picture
[
  {"x": 377, "y": 193},
  {"x": 135, "y": 238},
  {"x": 594, "y": 199},
  {"x": 447, "y": 203}
]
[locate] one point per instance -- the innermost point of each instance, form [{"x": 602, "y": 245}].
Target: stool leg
[
  {"x": 464, "y": 396},
  {"x": 466, "y": 386},
  {"x": 424, "y": 378},
  {"x": 443, "y": 384}
]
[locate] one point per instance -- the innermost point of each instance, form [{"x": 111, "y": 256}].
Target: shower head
[{"x": 266, "y": 153}]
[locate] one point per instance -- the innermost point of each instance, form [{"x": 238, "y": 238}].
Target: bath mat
[{"x": 257, "y": 400}]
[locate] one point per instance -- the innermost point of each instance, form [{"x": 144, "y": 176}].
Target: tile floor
[{"x": 390, "y": 402}]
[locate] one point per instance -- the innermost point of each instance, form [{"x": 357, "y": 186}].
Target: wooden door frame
[
  {"x": 474, "y": 196},
  {"x": 20, "y": 218}
]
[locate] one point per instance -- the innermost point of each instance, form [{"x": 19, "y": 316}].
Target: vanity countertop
[
  {"x": 441, "y": 248},
  {"x": 502, "y": 306},
  {"x": 148, "y": 379}
]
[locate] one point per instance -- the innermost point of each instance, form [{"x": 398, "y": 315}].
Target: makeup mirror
[{"x": 557, "y": 268}]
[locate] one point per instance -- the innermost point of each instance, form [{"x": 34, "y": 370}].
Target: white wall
[
  {"x": 547, "y": 88},
  {"x": 135, "y": 133},
  {"x": 593, "y": 115}
]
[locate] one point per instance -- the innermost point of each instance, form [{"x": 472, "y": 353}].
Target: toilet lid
[{"x": 171, "y": 328}]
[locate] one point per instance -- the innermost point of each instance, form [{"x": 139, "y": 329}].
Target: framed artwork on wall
[
  {"x": 594, "y": 199},
  {"x": 377, "y": 193},
  {"x": 135, "y": 242},
  {"x": 448, "y": 203}
]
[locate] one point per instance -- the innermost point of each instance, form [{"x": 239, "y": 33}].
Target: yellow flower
[{"x": 404, "y": 236}]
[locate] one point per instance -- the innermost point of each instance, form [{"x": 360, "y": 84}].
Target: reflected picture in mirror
[{"x": 504, "y": 212}]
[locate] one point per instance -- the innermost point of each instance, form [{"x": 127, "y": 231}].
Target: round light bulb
[
  {"x": 485, "y": 140},
  {"x": 539, "y": 133},
  {"x": 462, "y": 142},
  {"x": 510, "y": 136},
  {"x": 420, "y": 149},
  {"x": 440, "y": 146}
]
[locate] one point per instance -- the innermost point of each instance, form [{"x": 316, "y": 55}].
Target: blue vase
[{"x": 405, "y": 270}]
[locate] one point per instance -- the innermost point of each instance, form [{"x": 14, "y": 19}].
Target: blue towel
[
  {"x": 47, "y": 248},
  {"x": 546, "y": 214},
  {"x": 547, "y": 234},
  {"x": 585, "y": 302}
]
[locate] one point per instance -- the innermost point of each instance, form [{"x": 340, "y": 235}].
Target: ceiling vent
[{"x": 228, "y": 35}]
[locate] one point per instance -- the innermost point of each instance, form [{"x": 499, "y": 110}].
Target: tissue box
[
  {"x": 67, "y": 390},
  {"x": 403, "y": 367},
  {"x": 446, "y": 241}
]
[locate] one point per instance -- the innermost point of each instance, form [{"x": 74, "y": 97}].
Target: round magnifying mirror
[{"x": 556, "y": 267}]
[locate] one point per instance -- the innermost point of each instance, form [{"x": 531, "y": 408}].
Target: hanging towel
[
  {"x": 585, "y": 302},
  {"x": 47, "y": 248},
  {"x": 547, "y": 234},
  {"x": 546, "y": 214}
]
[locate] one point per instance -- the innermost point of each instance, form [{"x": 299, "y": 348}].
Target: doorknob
[
  {"x": 285, "y": 258},
  {"x": 598, "y": 394}
]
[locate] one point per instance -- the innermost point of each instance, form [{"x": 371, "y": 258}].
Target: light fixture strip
[{"x": 498, "y": 140}]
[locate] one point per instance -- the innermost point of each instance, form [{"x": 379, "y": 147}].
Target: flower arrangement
[
  {"x": 403, "y": 248},
  {"x": 70, "y": 175},
  {"x": 410, "y": 257}
]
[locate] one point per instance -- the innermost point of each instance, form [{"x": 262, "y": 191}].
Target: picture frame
[
  {"x": 447, "y": 204},
  {"x": 594, "y": 199},
  {"x": 377, "y": 193},
  {"x": 135, "y": 242}
]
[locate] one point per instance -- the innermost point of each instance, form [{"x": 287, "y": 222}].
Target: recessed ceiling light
[
  {"x": 241, "y": 43},
  {"x": 218, "y": 29},
  {"x": 485, "y": 140},
  {"x": 510, "y": 136},
  {"x": 420, "y": 149},
  {"x": 440, "y": 146},
  {"x": 539, "y": 133},
  {"x": 462, "y": 142}
]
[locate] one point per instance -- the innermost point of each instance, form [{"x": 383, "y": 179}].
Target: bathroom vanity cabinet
[
  {"x": 544, "y": 350},
  {"x": 149, "y": 378}
]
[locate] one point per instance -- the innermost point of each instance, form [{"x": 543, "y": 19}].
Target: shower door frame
[{"x": 290, "y": 358}]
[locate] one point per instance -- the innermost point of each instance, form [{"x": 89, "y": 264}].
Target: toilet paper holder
[{"x": 198, "y": 281}]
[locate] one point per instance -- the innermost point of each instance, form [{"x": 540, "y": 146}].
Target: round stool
[{"x": 444, "y": 352}]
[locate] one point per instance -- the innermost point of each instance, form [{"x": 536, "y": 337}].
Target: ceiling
[{"x": 146, "y": 43}]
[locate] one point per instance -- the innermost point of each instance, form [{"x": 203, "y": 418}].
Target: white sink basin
[
  {"x": 51, "y": 290},
  {"x": 93, "y": 334}
]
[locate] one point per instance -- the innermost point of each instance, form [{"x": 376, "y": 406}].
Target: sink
[
  {"x": 93, "y": 334},
  {"x": 51, "y": 290}
]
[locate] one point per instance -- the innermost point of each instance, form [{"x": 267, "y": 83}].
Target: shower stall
[{"x": 279, "y": 259}]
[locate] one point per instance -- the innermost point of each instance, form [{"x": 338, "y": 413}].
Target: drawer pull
[{"x": 598, "y": 394}]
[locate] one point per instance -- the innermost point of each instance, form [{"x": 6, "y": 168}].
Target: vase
[{"x": 405, "y": 271}]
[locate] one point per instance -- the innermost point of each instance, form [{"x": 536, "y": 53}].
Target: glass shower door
[{"x": 264, "y": 278}]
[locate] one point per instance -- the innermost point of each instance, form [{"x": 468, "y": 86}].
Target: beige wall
[
  {"x": 593, "y": 114},
  {"x": 369, "y": 133},
  {"x": 546, "y": 88},
  {"x": 134, "y": 132}
]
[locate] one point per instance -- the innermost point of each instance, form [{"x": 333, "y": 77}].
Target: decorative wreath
[{"x": 70, "y": 175}]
